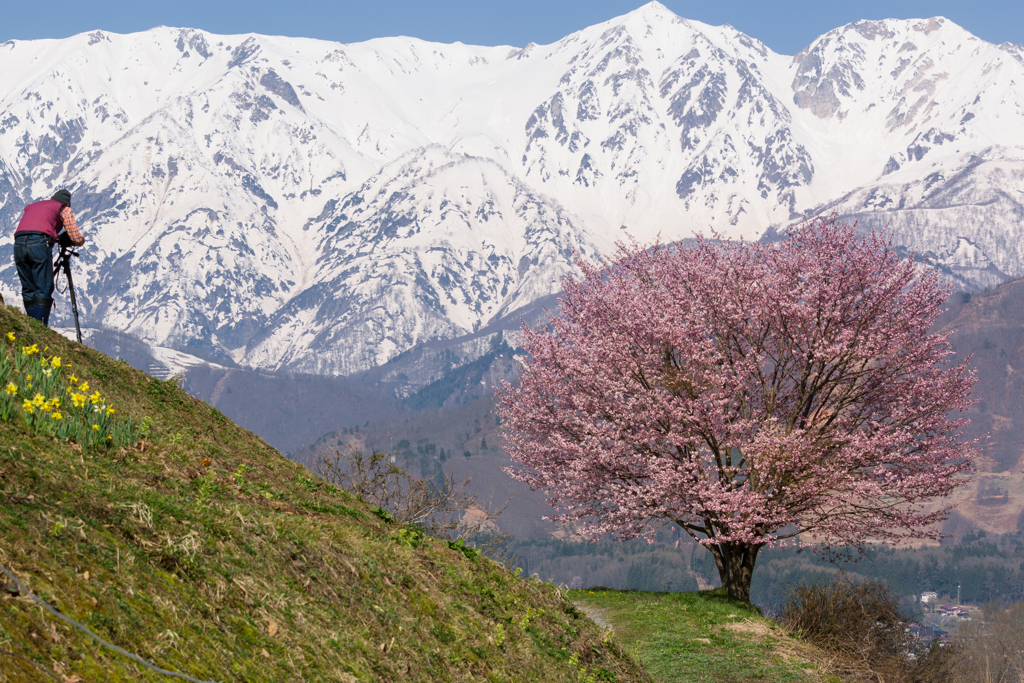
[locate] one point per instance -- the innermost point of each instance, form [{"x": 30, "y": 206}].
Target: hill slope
[
  {"x": 990, "y": 327},
  {"x": 203, "y": 550}
]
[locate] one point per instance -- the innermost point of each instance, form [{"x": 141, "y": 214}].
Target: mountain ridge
[{"x": 315, "y": 207}]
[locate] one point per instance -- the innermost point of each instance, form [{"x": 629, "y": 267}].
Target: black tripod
[{"x": 64, "y": 263}]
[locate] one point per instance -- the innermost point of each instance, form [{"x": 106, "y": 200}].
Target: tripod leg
[{"x": 74, "y": 301}]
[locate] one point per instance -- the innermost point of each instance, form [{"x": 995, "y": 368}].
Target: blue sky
[{"x": 785, "y": 26}]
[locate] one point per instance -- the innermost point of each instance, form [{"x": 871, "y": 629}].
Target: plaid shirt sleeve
[{"x": 71, "y": 226}]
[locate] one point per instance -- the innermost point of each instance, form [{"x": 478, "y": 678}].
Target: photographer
[{"x": 43, "y": 223}]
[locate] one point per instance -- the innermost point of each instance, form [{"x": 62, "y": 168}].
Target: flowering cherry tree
[{"x": 748, "y": 393}]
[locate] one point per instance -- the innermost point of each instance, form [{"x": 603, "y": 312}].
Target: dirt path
[{"x": 596, "y": 614}]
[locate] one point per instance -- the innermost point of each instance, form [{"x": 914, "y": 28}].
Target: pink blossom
[{"x": 747, "y": 392}]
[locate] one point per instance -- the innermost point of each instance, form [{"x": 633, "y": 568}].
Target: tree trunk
[{"x": 735, "y": 562}]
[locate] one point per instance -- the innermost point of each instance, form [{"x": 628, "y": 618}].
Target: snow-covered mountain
[{"x": 301, "y": 205}]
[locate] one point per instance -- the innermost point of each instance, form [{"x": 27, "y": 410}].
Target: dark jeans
[{"x": 34, "y": 260}]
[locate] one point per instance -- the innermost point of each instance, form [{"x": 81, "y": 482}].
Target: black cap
[{"x": 63, "y": 196}]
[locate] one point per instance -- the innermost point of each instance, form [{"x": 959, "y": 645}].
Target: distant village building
[
  {"x": 927, "y": 632},
  {"x": 953, "y": 611},
  {"x": 928, "y": 599}
]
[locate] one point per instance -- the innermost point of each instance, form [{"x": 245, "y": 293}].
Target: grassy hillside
[
  {"x": 706, "y": 636},
  {"x": 202, "y": 550}
]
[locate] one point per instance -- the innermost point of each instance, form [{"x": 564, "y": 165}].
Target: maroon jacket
[{"x": 42, "y": 217}]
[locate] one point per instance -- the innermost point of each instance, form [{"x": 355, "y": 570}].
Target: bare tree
[
  {"x": 445, "y": 510},
  {"x": 993, "y": 648}
]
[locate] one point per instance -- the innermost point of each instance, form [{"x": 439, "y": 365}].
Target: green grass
[
  {"x": 203, "y": 550},
  {"x": 700, "y": 636}
]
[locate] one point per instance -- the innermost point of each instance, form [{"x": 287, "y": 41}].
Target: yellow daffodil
[
  {"x": 84, "y": 387},
  {"x": 10, "y": 336},
  {"x": 55, "y": 362},
  {"x": 27, "y": 406},
  {"x": 78, "y": 400},
  {"x": 11, "y": 389},
  {"x": 73, "y": 379},
  {"x": 55, "y": 402},
  {"x": 57, "y": 416},
  {"x": 110, "y": 438},
  {"x": 96, "y": 427},
  {"x": 110, "y": 411},
  {"x": 95, "y": 398},
  {"x": 28, "y": 378},
  {"x": 39, "y": 400},
  {"x": 29, "y": 350}
]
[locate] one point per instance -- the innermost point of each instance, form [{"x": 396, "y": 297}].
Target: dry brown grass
[{"x": 860, "y": 634}]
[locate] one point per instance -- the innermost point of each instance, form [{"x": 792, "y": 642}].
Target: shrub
[
  {"x": 861, "y": 624},
  {"x": 858, "y": 619}
]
